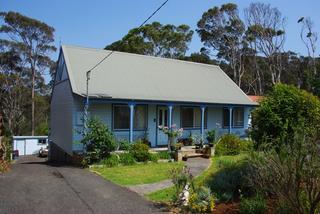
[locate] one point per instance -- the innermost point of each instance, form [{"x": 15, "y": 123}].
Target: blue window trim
[
  {"x": 233, "y": 126},
  {"x": 127, "y": 130},
  {"x": 194, "y": 128}
]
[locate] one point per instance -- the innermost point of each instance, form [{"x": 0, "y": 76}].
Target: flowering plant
[{"x": 171, "y": 132}]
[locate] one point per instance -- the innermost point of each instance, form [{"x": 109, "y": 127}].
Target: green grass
[
  {"x": 165, "y": 195},
  {"x": 137, "y": 174}
]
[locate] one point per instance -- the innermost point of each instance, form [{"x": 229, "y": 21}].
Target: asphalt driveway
[{"x": 34, "y": 186}]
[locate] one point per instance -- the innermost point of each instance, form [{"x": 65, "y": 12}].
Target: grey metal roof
[{"x": 139, "y": 77}]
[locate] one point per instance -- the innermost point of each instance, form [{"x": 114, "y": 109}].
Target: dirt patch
[{"x": 228, "y": 208}]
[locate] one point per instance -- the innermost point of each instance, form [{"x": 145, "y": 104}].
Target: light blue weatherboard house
[{"x": 134, "y": 94}]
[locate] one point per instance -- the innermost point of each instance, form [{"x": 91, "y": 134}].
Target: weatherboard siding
[
  {"x": 103, "y": 111},
  {"x": 61, "y": 116}
]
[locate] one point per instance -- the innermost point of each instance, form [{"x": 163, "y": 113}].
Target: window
[
  {"x": 191, "y": 117},
  {"x": 237, "y": 117},
  {"x": 121, "y": 117},
  {"x": 42, "y": 141}
]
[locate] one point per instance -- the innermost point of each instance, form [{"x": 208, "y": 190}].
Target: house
[{"x": 134, "y": 94}]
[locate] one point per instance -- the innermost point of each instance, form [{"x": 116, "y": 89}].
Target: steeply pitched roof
[{"x": 138, "y": 77}]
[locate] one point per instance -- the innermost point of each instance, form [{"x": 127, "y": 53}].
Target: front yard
[
  {"x": 166, "y": 195},
  {"x": 143, "y": 173}
]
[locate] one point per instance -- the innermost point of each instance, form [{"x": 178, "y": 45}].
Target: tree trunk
[{"x": 32, "y": 100}]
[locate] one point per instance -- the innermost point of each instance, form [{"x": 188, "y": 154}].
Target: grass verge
[
  {"x": 137, "y": 174},
  {"x": 165, "y": 195}
]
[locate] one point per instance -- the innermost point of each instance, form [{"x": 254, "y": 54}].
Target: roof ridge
[{"x": 141, "y": 55}]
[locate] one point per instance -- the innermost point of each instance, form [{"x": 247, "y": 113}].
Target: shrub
[
  {"x": 284, "y": 108},
  {"x": 180, "y": 178},
  {"x": 228, "y": 144},
  {"x": 126, "y": 159},
  {"x": 4, "y": 166},
  {"x": 140, "y": 152},
  {"x": 164, "y": 155},
  {"x": 111, "y": 160},
  {"x": 154, "y": 158},
  {"x": 246, "y": 146},
  {"x": 230, "y": 178},
  {"x": 291, "y": 173},
  {"x": 201, "y": 201},
  {"x": 124, "y": 145},
  {"x": 211, "y": 136},
  {"x": 98, "y": 141},
  {"x": 256, "y": 205}
]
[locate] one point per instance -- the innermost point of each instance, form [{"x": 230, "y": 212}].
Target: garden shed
[{"x": 29, "y": 145}]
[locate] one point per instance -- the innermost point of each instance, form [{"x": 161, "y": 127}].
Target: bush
[
  {"x": 228, "y": 144},
  {"x": 140, "y": 152},
  {"x": 164, "y": 155},
  {"x": 98, "y": 141},
  {"x": 256, "y": 205},
  {"x": 111, "y": 160},
  {"x": 180, "y": 178},
  {"x": 124, "y": 145},
  {"x": 201, "y": 201},
  {"x": 211, "y": 136},
  {"x": 126, "y": 159},
  {"x": 280, "y": 111},
  {"x": 291, "y": 173},
  {"x": 154, "y": 158},
  {"x": 231, "y": 178},
  {"x": 246, "y": 146}
]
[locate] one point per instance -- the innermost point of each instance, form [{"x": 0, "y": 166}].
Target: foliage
[
  {"x": 172, "y": 132},
  {"x": 124, "y": 145},
  {"x": 155, "y": 39},
  {"x": 201, "y": 200},
  {"x": 168, "y": 194},
  {"x": 285, "y": 108},
  {"x": 221, "y": 29},
  {"x": 229, "y": 179},
  {"x": 246, "y": 146},
  {"x": 33, "y": 41},
  {"x": 126, "y": 159},
  {"x": 98, "y": 141},
  {"x": 211, "y": 136},
  {"x": 180, "y": 178},
  {"x": 291, "y": 172},
  {"x": 255, "y": 205},
  {"x": 164, "y": 155},
  {"x": 140, "y": 151},
  {"x": 228, "y": 144},
  {"x": 154, "y": 158},
  {"x": 111, "y": 160},
  {"x": 4, "y": 166}
]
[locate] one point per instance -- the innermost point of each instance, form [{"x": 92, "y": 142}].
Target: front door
[{"x": 162, "y": 121}]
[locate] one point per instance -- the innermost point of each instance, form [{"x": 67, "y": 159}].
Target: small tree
[
  {"x": 284, "y": 108},
  {"x": 292, "y": 172},
  {"x": 98, "y": 141}
]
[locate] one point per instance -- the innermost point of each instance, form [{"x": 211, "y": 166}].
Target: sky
[{"x": 96, "y": 23}]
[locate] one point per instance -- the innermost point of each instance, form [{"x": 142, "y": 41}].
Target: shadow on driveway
[{"x": 34, "y": 185}]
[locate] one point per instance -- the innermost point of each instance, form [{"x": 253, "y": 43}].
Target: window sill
[{"x": 127, "y": 130}]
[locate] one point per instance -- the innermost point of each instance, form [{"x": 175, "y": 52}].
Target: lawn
[
  {"x": 165, "y": 195},
  {"x": 138, "y": 173}
]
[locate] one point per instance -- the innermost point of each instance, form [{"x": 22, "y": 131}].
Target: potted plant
[
  {"x": 172, "y": 132},
  {"x": 211, "y": 137}
]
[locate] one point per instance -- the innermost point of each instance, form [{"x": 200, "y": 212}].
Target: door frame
[{"x": 157, "y": 129}]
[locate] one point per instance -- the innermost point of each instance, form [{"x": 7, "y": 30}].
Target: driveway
[{"x": 34, "y": 186}]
